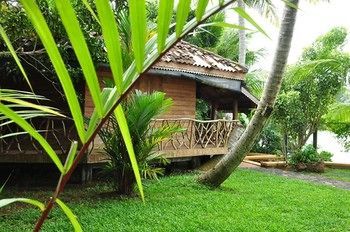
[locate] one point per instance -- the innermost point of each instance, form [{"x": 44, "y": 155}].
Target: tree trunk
[
  {"x": 235, "y": 156},
  {"x": 314, "y": 139},
  {"x": 242, "y": 36},
  {"x": 125, "y": 182}
]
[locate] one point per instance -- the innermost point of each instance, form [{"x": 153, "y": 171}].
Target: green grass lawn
[
  {"x": 248, "y": 201},
  {"x": 337, "y": 174}
]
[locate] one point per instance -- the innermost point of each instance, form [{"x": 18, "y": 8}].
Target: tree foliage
[
  {"x": 228, "y": 47},
  {"x": 311, "y": 86},
  {"x": 30, "y": 49}
]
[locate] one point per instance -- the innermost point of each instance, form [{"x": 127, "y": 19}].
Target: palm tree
[
  {"x": 266, "y": 8},
  {"x": 340, "y": 112},
  {"x": 230, "y": 161},
  {"x": 140, "y": 108}
]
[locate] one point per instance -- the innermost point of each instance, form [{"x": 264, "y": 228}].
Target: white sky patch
[{"x": 313, "y": 20}]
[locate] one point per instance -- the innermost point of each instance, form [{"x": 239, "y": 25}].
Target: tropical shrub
[
  {"x": 338, "y": 118},
  {"x": 140, "y": 109},
  {"x": 326, "y": 155},
  {"x": 306, "y": 155},
  {"x": 309, "y": 159}
]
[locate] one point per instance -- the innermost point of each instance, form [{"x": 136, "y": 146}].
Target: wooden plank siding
[{"x": 181, "y": 91}]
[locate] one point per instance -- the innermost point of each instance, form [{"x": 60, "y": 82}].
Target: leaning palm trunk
[{"x": 230, "y": 161}]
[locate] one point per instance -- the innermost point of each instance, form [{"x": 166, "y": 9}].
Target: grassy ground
[
  {"x": 248, "y": 201},
  {"x": 337, "y": 174}
]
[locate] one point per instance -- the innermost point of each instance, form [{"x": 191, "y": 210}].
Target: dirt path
[{"x": 315, "y": 178}]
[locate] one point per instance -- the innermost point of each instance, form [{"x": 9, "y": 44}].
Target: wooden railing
[
  {"x": 197, "y": 134},
  {"x": 58, "y": 132},
  {"x": 196, "y": 138}
]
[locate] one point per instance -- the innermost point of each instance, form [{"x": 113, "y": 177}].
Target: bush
[
  {"x": 326, "y": 156},
  {"x": 309, "y": 159},
  {"x": 307, "y": 155},
  {"x": 202, "y": 109}
]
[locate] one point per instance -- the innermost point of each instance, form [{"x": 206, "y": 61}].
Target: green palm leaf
[
  {"x": 224, "y": 24},
  {"x": 241, "y": 12},
  {"x": 112, "y": 41},
  {"x": 73, "y": 219},
  {"x": 164, "y": 18},
  {"x": 81, "y": 50},
  {"x": 183, "y": 9},
  {"x": 71, "y": 155},
  {"x": 4, "y": 202},
  {"x": 28, "y": 128},
  {"x": 137, "y": 10},
  {"x": 339, "y": 113},
  {"x": 45, "y": 35},
  {"x": 21, "y": 103},
  {"x": 202, "y": 5},
  {"x": 124, "y": 129},
  {"x": 14, "y": 55}
]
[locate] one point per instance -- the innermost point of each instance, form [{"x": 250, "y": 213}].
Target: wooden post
[
  {"x": 235, "y": 109},
  {"x": 286, "y": 144}
]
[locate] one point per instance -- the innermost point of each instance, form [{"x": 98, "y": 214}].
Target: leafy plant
[
  {"x": 140, "y": 109},
  {"x": 326, "y": 156},
  {"x": 338, "y": 121},
  {"x": 309, "y": 155},
  {"x": 107, "y": 101}
]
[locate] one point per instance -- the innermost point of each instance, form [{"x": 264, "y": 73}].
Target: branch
[{"x": 29, "y": 53}]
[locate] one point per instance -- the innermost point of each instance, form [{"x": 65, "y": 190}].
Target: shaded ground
[
  {"x": 249, "y": 200},
  {"x": 332, "y": 177},
  {"x": 315, "y": 178}
]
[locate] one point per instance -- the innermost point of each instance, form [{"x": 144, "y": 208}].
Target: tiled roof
[{"x": 185, "y": 57}]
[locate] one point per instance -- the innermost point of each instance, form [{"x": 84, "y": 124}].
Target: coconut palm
[
  {"x": 266, "y": 8},
  {"x": 234, "y": 157}
]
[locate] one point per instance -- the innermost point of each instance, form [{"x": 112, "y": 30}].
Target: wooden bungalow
[{"x": 185, "y": 73}]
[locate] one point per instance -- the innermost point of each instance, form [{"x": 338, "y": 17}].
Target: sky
[{"x": 313, "y": 20}]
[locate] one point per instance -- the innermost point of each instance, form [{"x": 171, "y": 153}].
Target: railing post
[{"x": 217, "y": 126}]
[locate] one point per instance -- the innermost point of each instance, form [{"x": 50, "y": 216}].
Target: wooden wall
[{"x": 182, "y": 91}]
